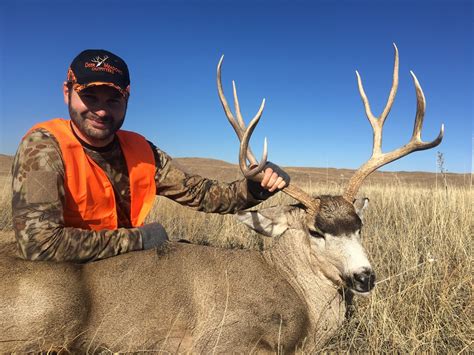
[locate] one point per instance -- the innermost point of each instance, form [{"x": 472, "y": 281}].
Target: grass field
[{"x": 419, "y": 240}]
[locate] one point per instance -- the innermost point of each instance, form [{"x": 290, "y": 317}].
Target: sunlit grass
[{"x": 5, "y": 203}]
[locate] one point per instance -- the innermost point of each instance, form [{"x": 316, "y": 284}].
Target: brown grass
[
  {"x": 419, "y": 240},
  {"x": 5, "y": 203}
]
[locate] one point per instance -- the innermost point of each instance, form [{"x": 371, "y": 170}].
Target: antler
[
  {"x": 255, "y": 170},
  {"x": 378, "y": 158}
]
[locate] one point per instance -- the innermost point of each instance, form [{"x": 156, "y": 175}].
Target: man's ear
[
  {"x": 265, "y": 222},
  {"x": 360, "y": 205},
  {"x": 66, "y": 93}
]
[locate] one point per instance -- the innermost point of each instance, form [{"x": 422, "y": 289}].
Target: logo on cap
[
  {"x": 98, "y": 64},
  {"x": 99, "y": 61}
]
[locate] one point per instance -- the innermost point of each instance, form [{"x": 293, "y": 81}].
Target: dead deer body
[{"x": 186, "y": 297}]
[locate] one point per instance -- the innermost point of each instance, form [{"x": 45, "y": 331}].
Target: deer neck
[{"x": 291, "y": 256}]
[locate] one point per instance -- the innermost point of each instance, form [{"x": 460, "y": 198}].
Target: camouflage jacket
[{"x": 39, "y": 195}]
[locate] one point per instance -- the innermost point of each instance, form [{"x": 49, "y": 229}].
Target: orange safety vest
[{"x": 90, "y": 198}]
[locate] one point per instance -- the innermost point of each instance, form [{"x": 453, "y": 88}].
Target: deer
[{"x": 184, "y": 297}]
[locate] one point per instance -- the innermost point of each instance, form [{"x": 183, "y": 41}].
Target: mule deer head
[{"x": 332, "y": 223}]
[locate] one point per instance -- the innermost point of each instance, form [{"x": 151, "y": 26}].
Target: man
[{"x": 82, "y": 188}]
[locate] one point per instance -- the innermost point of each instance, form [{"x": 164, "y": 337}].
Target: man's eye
[
  {"x": 88, "y": 98},
  {"x": 114, "y": 102}
]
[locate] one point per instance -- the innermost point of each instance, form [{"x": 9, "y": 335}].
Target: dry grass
[
  {"x": 419, "y": 242},
  {"x": 5, "y": 203}
]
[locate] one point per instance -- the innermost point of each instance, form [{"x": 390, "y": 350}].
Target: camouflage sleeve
[
  {"x": 203, "y": 194},
  {"x": 37, "y": 208}
]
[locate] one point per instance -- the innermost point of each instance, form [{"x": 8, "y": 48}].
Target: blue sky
[{"x": 299, "y": 55}]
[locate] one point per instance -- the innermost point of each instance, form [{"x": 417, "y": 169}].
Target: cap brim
[{"x": 78, "y": 87}]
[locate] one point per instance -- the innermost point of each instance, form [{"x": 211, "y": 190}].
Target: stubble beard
[{"x": 83, "y": 123}]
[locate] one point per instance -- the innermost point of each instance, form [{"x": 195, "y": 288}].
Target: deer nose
[{"x": 364, "y": 281}]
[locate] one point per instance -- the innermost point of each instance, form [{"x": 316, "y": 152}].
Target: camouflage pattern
[{"x": 39, "y": 195}]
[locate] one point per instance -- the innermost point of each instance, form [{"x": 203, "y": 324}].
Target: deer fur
[{"x": 186, "y": 297}]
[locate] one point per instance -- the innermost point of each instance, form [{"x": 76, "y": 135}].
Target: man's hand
[
  {"x": 153, "y": 235},
  {"x": 274, "y": 178}
]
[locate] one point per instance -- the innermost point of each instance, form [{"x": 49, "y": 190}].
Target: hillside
[{"x": 221, "y": 170}]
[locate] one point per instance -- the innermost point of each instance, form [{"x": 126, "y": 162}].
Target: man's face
[{"x": 97, "y": 113}]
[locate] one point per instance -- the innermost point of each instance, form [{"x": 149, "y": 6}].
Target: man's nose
[
  {"x": 100, "y": 108},
  {"x": 101, "y": 113}
]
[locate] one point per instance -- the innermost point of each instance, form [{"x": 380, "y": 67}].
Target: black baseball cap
[{"x": 94, "y": 67}]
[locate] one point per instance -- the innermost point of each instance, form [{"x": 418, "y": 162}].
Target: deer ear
[
  {"x": 360, "y": 205},
  {"x": 263, "y": 222}
]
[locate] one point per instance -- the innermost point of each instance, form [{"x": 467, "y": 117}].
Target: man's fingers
[
  {"x": 274, "y": 178},
  {"x": 282, "y": 184},
  {"x": 266, "y": 177},
  {"x": 276, "y": 184},
  {"x": 271, "y": 182}
]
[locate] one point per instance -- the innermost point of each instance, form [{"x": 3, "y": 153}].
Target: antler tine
[
  {"x": 393, "y": 90},
  {"x": 420, "y": 109},
  {"x": 224, "y": 103},
  {"x": 379, "y": 159},
  {"x": 244, "y": 143},
  {"x": 420, "y": 115},
  {"x": 240, "y": 120}
]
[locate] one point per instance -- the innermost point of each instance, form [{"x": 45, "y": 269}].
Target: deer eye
[{"x": 316, "y": 234}]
